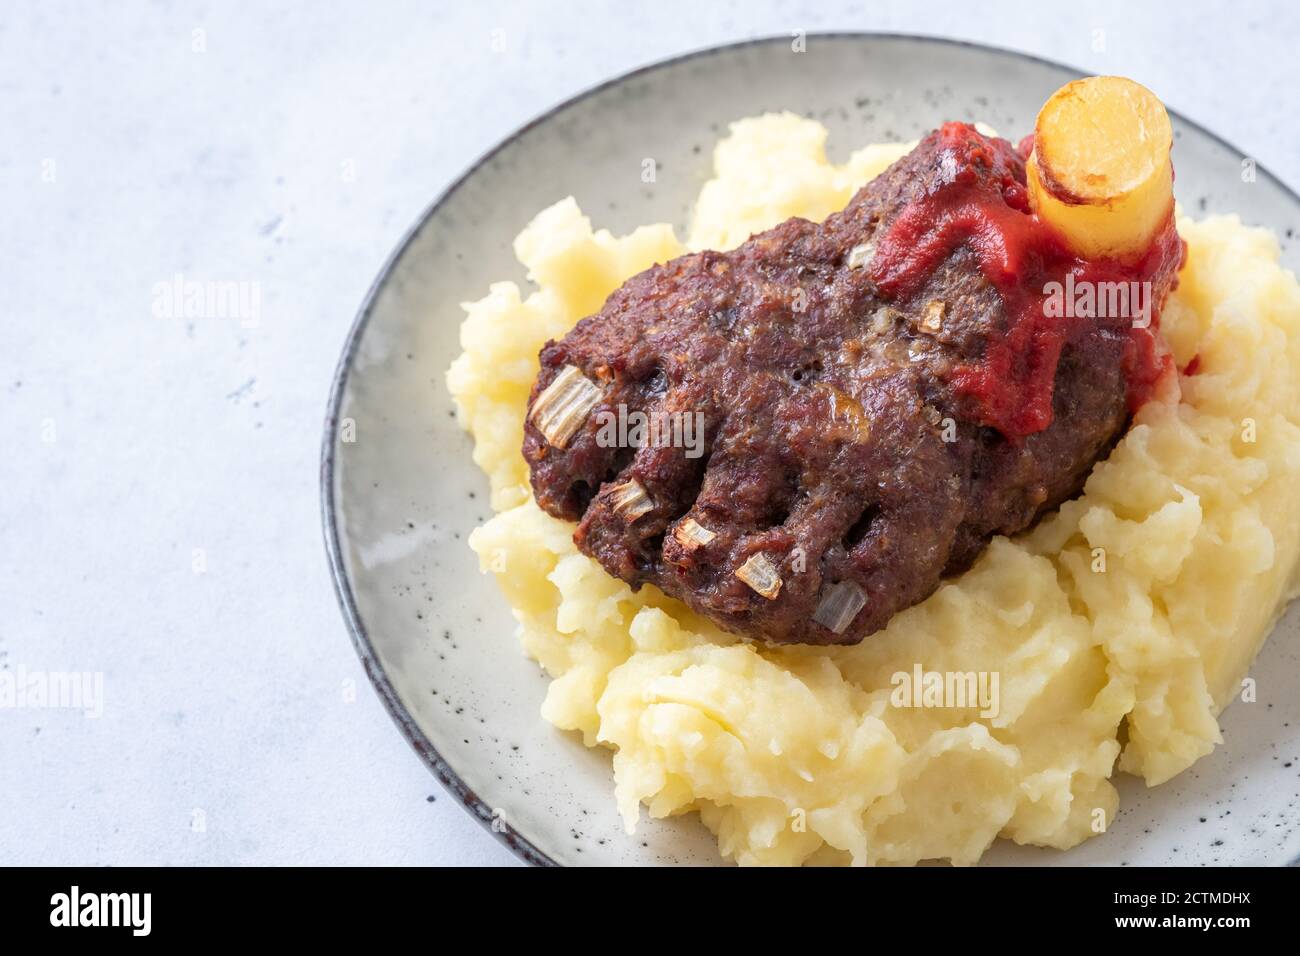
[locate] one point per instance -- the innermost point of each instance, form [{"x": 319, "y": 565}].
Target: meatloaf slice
[{"x": 844, "y": 461}]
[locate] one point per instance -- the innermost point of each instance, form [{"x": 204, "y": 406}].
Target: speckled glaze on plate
[{"x": 401, "y": 493}]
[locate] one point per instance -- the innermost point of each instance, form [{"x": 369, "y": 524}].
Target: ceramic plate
[{"x": 401, "y": 494}]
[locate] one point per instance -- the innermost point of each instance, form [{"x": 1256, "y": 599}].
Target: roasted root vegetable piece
[{"x": 1100, "y": 172}]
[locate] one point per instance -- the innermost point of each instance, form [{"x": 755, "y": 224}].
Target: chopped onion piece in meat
[
  {"x": 859, "y": 256},
  {"x": 839, "y": 606},
  {"x": 690, "y": 534},
  {"x": 630, "y": 500},
  {"x": 759, "y": 573},
  {"x": 564, "y": 405},
  {"x": 932, "y": 321}
]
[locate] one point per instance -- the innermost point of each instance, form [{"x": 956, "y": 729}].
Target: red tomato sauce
[{"x": 984, "y": 205}]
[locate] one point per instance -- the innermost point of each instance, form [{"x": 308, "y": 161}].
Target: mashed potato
[{"x": 1116, "y": 630}]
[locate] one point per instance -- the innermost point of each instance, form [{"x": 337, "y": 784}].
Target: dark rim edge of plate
[{"x": 511, "y": 838}]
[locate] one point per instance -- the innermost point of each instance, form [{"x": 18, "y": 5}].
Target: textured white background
[{"x": 225, "y": 691}]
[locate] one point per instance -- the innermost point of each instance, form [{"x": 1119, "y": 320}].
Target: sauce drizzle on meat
[{"x": 984, "y": 206}]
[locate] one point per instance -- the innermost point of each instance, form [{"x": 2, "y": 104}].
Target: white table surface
[{"x": 292, "y": 151}]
